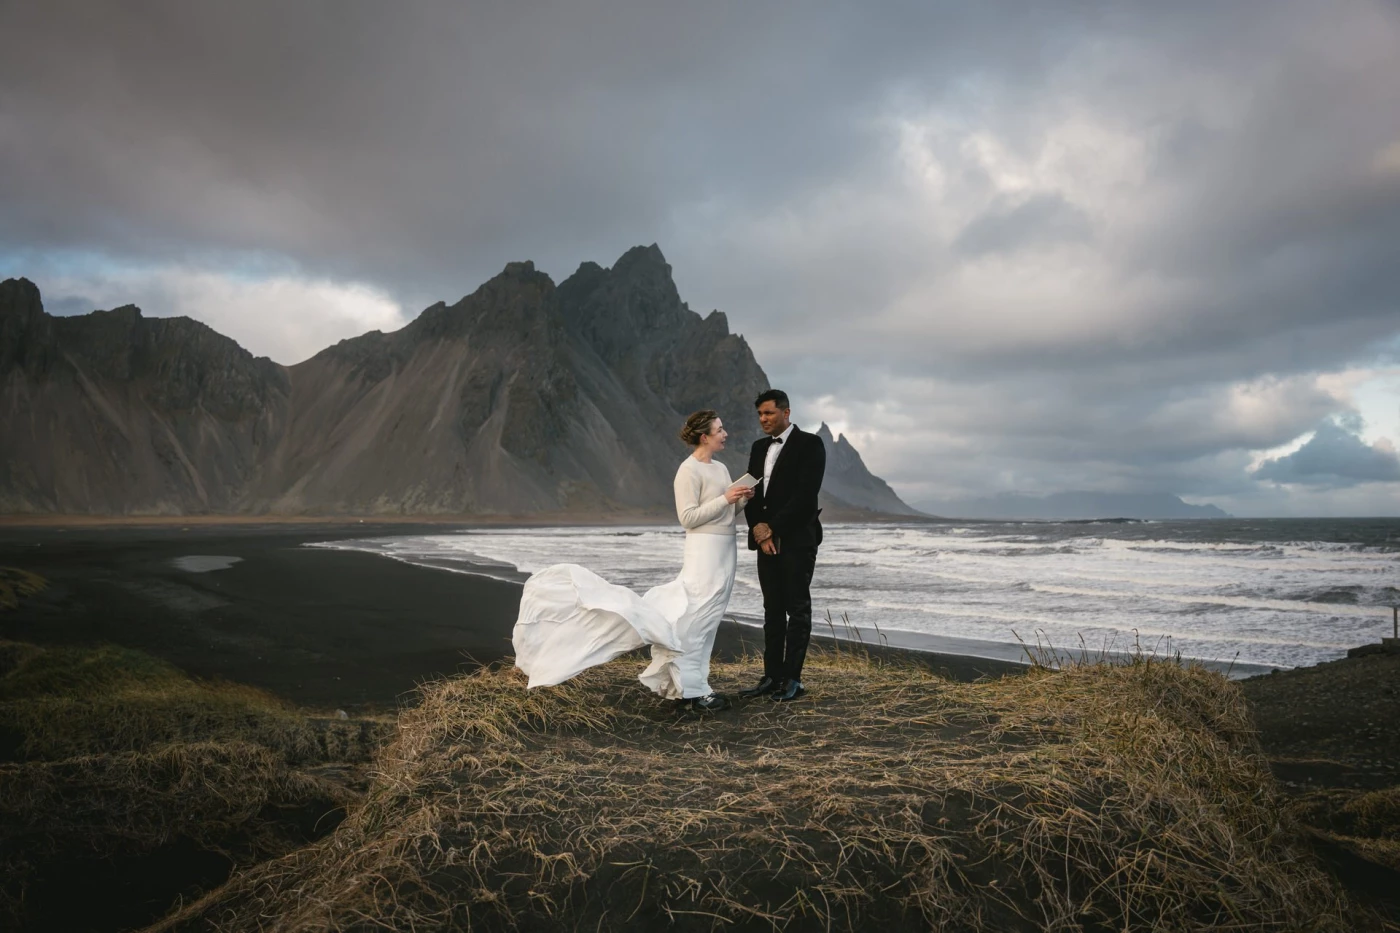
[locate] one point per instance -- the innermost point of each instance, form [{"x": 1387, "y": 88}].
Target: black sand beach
[
  {"x": 247, "y": 602},
  {"x": 320, "y": 627}
]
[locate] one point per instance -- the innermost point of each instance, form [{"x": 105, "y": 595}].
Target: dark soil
[{"x": 1332, "y": 734}]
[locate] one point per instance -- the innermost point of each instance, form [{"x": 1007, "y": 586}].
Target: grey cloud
[
  {"x": 69, "y": 304},
  {"x": 426, "y": 146},
  {"x": 1102, "y": 413},
  {"x": 1335, "y": 456},
  {"x": 1044, "y": 219},
  {"x": 1206, "y": 173}
]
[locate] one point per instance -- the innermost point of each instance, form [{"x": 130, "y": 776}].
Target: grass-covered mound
[
  {"x": 61, "y": 702},
  {"x": 1095, "y": 798},
  {"x": 15, "y": 584},
  {"x": 124, "y": 783}
]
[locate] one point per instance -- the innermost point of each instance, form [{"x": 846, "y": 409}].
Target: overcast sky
[{"x": 1026, "y": 247}]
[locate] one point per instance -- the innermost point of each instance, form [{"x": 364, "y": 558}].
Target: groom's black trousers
[{"x": 786, "y": 580}]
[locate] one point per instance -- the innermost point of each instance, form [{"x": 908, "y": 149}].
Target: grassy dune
[
  {"x": 126, "y": 782},
  {"x": 15, "y": 584},
  {"x": 1095, "y": 798}
]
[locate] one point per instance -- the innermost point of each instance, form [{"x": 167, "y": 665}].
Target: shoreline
[
  {"x": 322, "y": 627},
  {"x": 842, "y": 632},
  {"x": 279, "y": 617},
  {"x": 331, "y": 626}
]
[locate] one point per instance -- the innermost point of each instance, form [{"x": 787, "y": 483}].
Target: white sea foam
[{"x": 1272, "y": 603}]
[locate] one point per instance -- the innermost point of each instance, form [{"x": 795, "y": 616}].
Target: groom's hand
[
  {"x": 769, "y": 547},
  {"x": 761, "y": 532}
]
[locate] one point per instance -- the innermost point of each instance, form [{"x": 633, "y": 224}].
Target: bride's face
[{"x": 717, "y": 436}]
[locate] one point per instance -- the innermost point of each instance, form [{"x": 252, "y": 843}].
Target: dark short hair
[{"x": 776, "y": 396}]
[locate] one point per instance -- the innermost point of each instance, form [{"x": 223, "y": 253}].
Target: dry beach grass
[
  {"x": 1099, "y": 797},
  {"x": 114, "y": 766}
]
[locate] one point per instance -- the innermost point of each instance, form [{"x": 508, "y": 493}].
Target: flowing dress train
[{"x": 571, "y": 619}]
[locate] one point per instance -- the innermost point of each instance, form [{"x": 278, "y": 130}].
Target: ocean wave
[
  {"x": 1279, "y": 602},
  {"x": 1350, "y": 595}
]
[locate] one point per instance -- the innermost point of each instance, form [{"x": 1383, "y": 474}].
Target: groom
[{"x": 784, "y": 529}]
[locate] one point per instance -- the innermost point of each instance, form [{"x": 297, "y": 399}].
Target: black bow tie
[{"x": 777, "y": 440}]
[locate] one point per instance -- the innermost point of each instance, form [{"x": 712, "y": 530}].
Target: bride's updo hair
[{"x": 698, "y": 425}]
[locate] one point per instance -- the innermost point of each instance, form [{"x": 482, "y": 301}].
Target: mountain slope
[
  {"x": 113, "y": 412},
  {"x": 470, "y": 408},
  {"x": 520, "y": 398},
  {"x": 849, "y": 485}
]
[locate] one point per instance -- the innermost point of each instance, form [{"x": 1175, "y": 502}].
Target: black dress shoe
[
  {"x": 792, "y": 689},
  {"x": 765, "y": 686},
  {"x": 709, "y": 704}
]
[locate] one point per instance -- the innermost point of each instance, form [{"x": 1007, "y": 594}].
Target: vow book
[{"x": 744, "y": 482}]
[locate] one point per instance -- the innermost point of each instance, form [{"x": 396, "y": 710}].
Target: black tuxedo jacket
[{"x": 791, "y": 510}]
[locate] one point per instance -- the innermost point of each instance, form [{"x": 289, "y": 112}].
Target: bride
[{"x": 571, "y": 619}]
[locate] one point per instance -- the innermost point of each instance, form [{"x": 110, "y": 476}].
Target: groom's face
[{"x": 772, "y": 419}]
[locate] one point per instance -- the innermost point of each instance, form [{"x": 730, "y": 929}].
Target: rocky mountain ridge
[
  {"x": 524, "y": 397},
  {"x": 850, "y": 481}
]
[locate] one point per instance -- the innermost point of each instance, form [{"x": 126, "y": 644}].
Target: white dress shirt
[{"x": 770, "y": 457}]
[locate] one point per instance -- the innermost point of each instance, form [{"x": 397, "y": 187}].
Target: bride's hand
[{"x": 735, "y": 493}]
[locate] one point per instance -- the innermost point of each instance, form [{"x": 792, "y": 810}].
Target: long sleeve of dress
[{"x": 693, "y": 508}]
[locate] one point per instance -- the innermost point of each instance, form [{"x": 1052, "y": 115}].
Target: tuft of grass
[
  {"x": 1375, "y": 813},
  {"x": 110, "y": 754},
  {"x": 1365, "y": 822},
  {"x": 1094, "y": 797},
  {"x": 16, "y": 583}
]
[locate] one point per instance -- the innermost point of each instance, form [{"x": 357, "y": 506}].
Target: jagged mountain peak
[
  {"x": 629, "y": 308},
  {"x": 849, "y": 481},
  {"x": 517, "y": 299},
  {"x": 717, "y": 321},
  {"x": 837, "y": 441},
  {"x": 521, "y": 397},
  {"x": 643, "y": 260},
  {"x": 515, "y": 278},
  {"x": 26, "y": 332},
  {"x": 19, "y": 296},
  {"x": 130, "y": 314}
]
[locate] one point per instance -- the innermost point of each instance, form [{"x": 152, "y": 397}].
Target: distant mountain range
[
  {"x": 1071, "y": 506},
  {"x": 521, "y": 398}
]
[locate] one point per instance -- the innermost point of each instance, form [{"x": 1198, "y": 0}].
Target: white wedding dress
[{"x": 571, "y": 619}]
